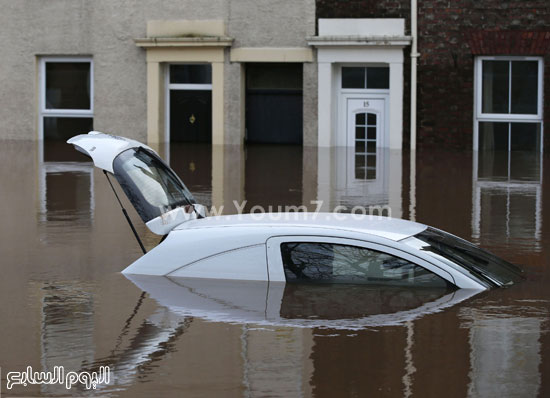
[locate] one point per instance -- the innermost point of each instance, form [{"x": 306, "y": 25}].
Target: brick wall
[
  {"x": 451, "y": 34},
  {"x": 363, "y": 9}
]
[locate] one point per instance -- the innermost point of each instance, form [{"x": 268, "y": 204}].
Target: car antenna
[{"x": 125, "y": 214}]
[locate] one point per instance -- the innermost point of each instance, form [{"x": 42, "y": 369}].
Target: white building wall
[{"x": 358, "y": 42}]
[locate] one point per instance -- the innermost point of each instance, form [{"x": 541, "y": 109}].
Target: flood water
[{"x": 64, "y": 241}]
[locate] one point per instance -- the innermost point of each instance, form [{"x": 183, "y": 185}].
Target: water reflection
[
  {"x": 277, "y": 334},
  {"x": 505, "y": 349},
  {"x": 66, "y": 192},
  {"x": 271, "y": 169},
  {"x": 154, "y": 340},
  {"x": 64, "y": 241},
  {"x": 507, "y": 198},
  {"x": 349, "y": 178},
  {"x": 333, "y": 302},
  {"x": 65, "y": 183},
  {"x": 193, "y": 163},
  {"x": 276, "y": 304},
  {"x": 67, "y": 328},
  {"x": 276, "y": 362}
]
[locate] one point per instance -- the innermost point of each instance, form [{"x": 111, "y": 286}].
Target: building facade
[
  {"x": 159, "y": 70},
  {"x": 483, "y": 70},
  {"x": 325, "y": 72}
]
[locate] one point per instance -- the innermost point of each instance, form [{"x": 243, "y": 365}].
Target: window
[
  {"x": 369, "y": 77},
  {"x": 66, "y": 100},
  {"x": 365, "y": 145},
  {"x": 336, "y": 263},
  {"x": 508, "y": 128},
  {"x": 191, "y": 74},
  {"x": 65, "y": 109},
  {"x": 150, "y": 185},
  {"x": 508, "y": 104}
]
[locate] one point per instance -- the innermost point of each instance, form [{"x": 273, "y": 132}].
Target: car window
[
  {"x": 151, "y": 186},
  {"x": 481, "y": 262},
  {"x": 337, "y": 263}
]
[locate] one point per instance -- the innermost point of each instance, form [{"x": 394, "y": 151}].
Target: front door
[
  {"x": 189, "y": 103},
  {"x": 191, "y": 115}
]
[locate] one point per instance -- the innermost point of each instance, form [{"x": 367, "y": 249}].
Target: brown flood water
[{"x": 64, "y": 241}]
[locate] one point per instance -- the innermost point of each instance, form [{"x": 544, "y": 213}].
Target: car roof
[{"x": 385, "y": 227}]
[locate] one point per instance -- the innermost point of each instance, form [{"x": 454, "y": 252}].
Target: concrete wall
[
  {"x": 106, "y": 30},
  {"x": 270, "y": 23}
]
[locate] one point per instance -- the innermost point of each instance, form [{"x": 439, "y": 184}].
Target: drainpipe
[{"x": 414, "y": 57}]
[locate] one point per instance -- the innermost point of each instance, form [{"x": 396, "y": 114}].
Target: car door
[{"x": 322, "y": 259}]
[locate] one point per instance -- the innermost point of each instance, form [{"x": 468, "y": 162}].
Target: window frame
[
  {"x": 339, "y": 77},
  {"x": 479, "y": 116},
  {"x": 366, "y": 154},
  {"x": 187, "y": 86},
  {"x": 65, "y": 113},
  {"x": 275, "y": 261}
]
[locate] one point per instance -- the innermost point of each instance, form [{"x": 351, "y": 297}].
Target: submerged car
[{"x": 283, "y": 247}]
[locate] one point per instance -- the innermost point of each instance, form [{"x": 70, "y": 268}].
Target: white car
[{"x": 284, "y": 247}]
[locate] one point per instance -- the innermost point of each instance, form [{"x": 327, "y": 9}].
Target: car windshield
[
  {"x": 478, "y": 261},
  {"x": 149, "y": 183}
]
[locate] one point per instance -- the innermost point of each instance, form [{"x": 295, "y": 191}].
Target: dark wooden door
[{"x": 191, "y": 115}]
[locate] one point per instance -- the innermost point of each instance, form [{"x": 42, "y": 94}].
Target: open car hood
[{"x": 159, "y": 196}]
